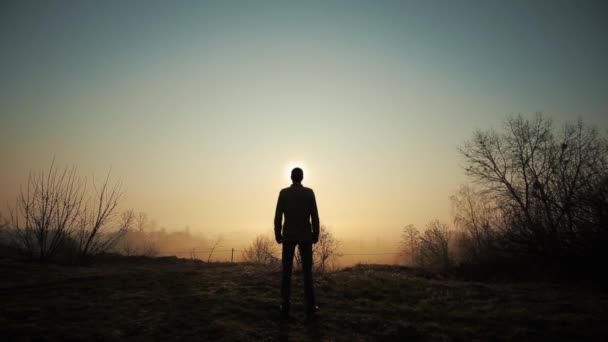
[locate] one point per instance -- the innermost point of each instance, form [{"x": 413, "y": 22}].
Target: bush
[
  {"x": 262, "y": 251},
  {"x": 429, "y": 249},
  {"x": 324, "y": 252}
]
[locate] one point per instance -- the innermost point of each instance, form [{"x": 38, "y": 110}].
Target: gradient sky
[{"x": 201, "y": 107}]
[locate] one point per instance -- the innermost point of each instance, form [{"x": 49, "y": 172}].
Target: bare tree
[
  {"x": 149, "y": 249},
  {"x": 141, "y": 221},
  {"x": 99, "y": 225},
  {"x": 324, "y": 253},
  {"x": 429, "y": 248},
  {"x": 126, "y": 246},
  {"x": 215, "y": 245},
  {"x": 434, "y": 245},
  {"x": 479, "y": 223},
  {"x": 47, "y": 211},
  {"x": 54, "y": 212},
  {"x": 263, "y": 250},
  {"x": 4, "y": 231},
  {"x": 138, "y": 241},
  {"x": 410, "y": 245},
  {"x": 4, "y": 224},
  {"x": 545, "y": 183}
]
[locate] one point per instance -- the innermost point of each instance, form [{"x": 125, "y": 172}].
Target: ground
[{"x": 173, "y": 299}]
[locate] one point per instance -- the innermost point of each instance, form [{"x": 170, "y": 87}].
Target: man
[{"x": 301, "y": 227}]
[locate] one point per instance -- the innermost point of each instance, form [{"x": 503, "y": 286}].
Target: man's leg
[
  {"x": 309, "y": 293},
  {"x": 287, "y": 261}
]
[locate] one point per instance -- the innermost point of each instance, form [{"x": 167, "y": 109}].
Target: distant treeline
[{"x": 148, "y": 239}]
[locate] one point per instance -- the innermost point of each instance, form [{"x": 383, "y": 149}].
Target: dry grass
[{"x": 170, "y": 299}]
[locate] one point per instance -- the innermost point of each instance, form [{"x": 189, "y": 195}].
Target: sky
[{"x": 201, "y": 108}]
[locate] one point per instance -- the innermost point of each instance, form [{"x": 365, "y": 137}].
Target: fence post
[{"x": 232, "y": 256}]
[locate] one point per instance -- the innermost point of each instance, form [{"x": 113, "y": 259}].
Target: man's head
[{"x": 297, "y": 175}]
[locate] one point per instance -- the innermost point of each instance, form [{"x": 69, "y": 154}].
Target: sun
[{"x": 293, "y": 164}]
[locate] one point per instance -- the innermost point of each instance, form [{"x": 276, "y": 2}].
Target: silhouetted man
[{"x": 301, "y": 227}]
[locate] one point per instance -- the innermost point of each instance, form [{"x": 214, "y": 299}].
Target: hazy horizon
[{"x": 201, "y": 108}]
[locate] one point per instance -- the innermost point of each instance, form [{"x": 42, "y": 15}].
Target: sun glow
[{"x": 293, "y": 164}]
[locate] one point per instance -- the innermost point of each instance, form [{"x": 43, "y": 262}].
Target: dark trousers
[{"x": 306, "y": 257}]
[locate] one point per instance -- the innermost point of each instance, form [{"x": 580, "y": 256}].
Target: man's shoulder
[
  {"x": 296, "y": 189},
  {"x": 309, "y": 192}
]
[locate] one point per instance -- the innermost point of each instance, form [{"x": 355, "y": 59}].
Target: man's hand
[
  {"x": 279, "y": 239},
  {"x": 315, "y": 238}
]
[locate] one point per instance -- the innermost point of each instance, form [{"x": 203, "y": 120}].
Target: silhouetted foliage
[
  {"x": 213, "y": 247},
  {"x": 263, "y": 250},
  {"x": 149, "y": 239},
  {"x": 544, "y": 190},
  {"x": 4, "y": 230},
  {"x": 476, "y": 220},
  {"x": 434, "y": 245},
  {"x": 138, "y": 241},
  {"x": 99, "y": 227},
  {"x": 410, "y": 245},
  {"x": 54, "y": 212},
  {"x": 47, "y": 211},
  {"x": 429, "y": 248},
  {"x": 324, "y": 252}
]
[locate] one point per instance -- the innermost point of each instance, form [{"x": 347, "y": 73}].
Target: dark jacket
[{"x": 299, "y": 206}]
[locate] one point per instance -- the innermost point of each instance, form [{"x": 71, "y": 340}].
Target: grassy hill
[{"x": 171, "y": 299}]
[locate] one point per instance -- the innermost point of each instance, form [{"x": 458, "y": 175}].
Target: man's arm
[
  {"x": 314, "y": 214},
  {"x": 278, "y": 219}
]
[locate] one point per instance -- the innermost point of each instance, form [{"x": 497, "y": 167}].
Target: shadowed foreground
[{"x": 174, "y": 299}]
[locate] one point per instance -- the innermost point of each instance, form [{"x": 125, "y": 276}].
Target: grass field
[{"x": 171, "y": 299}]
